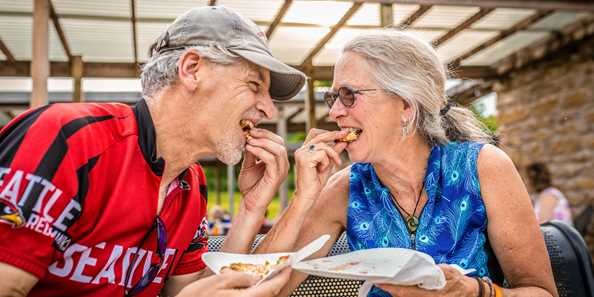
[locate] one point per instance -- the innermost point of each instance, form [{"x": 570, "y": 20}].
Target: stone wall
[{"x": 546, "y": 114}]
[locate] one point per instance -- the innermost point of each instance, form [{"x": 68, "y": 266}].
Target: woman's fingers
[
  {"x": 313, "y": 132},
  {"x": 328, "y": 137}
]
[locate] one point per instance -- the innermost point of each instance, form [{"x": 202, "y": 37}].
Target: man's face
[{"x": 233, "y": 93}]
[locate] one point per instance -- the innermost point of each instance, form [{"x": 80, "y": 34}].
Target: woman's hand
[
  {"x": 235, "y": 284},
  {"x": 457, "y": 284},
  {"x": 265, "y": 166},
  {"x": 314, "y": 161}
]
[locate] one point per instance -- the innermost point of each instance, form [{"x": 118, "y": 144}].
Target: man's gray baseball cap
[{"x": 223, "y": 27}]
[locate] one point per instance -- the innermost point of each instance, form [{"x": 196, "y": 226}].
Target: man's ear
[{"x": 189, "y": 65}]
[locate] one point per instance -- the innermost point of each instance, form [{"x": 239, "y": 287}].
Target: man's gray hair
[
  {"x": 410, "y": 68},
  {"x": 161, "y": 70}
]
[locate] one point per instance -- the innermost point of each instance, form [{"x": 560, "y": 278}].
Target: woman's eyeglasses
[
  {"x": 148, "y": 277},
  {"x": 346, "y": 96}
]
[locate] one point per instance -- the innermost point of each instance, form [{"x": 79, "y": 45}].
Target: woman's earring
[{"x": 405, "y": 127}]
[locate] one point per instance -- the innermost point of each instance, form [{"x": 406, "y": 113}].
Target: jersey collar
[{"x": 147, "y": 139}]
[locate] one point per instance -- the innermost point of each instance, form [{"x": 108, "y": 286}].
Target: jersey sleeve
[
  {"x": 191, "y": 259},
  {"x": 40, "y": 197}
]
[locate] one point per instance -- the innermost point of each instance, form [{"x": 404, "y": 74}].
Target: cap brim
[{"x": 285, "y": 81}]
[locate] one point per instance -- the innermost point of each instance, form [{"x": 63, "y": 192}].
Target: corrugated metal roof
[
  {"x": 445, "y": 16},
  {"x": 462, "y": 42},
  {"x": 100, "y": 41},
  {"x": 502, "y": 18},
  {"x": 504, "y": 48},
  {"x": 16, "y": 33},
  {"x": 324, "y": 13}
]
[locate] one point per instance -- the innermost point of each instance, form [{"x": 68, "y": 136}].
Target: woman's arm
[
  {"x": 300, "y": 224},
  {"x": 513, "y": 230}
]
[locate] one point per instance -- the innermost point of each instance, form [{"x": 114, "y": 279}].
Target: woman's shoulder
[{"x": 493, "y": 161}]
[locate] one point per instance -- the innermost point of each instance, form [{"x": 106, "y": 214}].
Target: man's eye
[{"x": 255, "y": 86}]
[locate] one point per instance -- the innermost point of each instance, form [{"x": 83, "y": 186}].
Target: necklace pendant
[{"x": 412, "y": 223}]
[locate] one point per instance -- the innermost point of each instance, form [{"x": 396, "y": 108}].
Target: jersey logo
[
  {"x": 200, "y": 237},
  {"x": 10, "y": 214}
]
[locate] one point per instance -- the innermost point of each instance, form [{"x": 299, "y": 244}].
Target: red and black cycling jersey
[{"x": 79, "y": 187}]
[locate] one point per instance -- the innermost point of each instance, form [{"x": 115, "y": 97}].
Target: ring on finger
[{"x": 311, "y": 148}]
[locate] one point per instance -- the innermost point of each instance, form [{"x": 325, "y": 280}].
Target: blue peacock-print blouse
[{"x": 452, "y": 224}]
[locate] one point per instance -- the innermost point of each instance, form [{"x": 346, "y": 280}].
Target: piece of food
[
  {"x": 352, "y": 136},
  {"x": 246, "y": 126},
  {"x": 260, "y": 270}
]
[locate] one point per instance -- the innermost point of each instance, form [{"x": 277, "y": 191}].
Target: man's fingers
[
  {"x": 236, "y": 280},
  {"x": 263, "y": 133},
  {"x": 265, "y": 156},
  {"x": 271, "y": 287}
]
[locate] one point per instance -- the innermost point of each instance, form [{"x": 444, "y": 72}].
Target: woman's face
[{"x": 377, "y": 113}]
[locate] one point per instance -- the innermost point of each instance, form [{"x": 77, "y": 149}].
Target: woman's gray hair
[
  {"x": 161, "y": 70},
  {"x": 410, "y": 68}
]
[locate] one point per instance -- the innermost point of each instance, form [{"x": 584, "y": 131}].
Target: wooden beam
[
  {"x": 130, "y": 70},
  {"x": 525, "y": 23},
  {"x": 465, "y": 93},
  {"x": 414, "y": 17},
  {"x": 320, "y": 45},
  {"x": 278, "y": 18},
  {"x": 573, "y": 5},
  {"x": 212, "y": 2},
  {"x": 310, "y": 106},
  {"x": 466, "y": 24},
  {"x": 134, "y": 34},
  {"x": 59, "y": 30},
  {"x": 294, "y": 114},
  {"x": 9, "y": 57},
  {"x": 40, "y": 66},
  {"x": 386, "y": 15}
]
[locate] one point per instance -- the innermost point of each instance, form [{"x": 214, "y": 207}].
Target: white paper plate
[
  {"x": 362, "y": 264},
  {"x": 215, "y": 261}
]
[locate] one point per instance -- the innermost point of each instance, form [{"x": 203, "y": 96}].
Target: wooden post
[
  {"x": 310, "y": 106},
  {"x": 281, "y": 130},
  {"x": 231, "y": 188},
  {"x": 76, "y": 70},
  {"x": 40, "y": 66},
  {"x": 386, "y": 15},
  {"x": 218, "y": 181}
]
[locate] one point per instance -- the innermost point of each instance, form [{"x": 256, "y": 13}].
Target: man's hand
[
  {"x": 235, "y": 284},
  {"x": 265, "y": 166}
]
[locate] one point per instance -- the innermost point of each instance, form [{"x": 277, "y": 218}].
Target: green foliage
[{"x": 490, "y": 121}]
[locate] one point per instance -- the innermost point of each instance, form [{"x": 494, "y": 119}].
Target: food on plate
[
  {"x": 352, "y": 136},
  {"x": 260, "y": 270}
]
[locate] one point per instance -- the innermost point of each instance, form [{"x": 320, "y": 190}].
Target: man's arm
[
  {"x": 15, "y": 282},
  {"x": 176, "y": 283}
]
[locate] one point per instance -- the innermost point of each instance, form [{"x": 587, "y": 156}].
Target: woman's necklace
[{"x": 412, "y": 221}]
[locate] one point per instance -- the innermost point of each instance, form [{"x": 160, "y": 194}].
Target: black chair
[
  {"x": 571, "y": 262},
  {"x": 570, "y": 259}
]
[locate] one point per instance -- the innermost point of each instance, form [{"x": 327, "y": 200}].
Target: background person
[{"x": 549, "y": 202}]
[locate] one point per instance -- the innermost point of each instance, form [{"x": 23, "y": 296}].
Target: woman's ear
[
  {"x": 188, "y": 66},
  {"x": 407, "y": 110}
]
